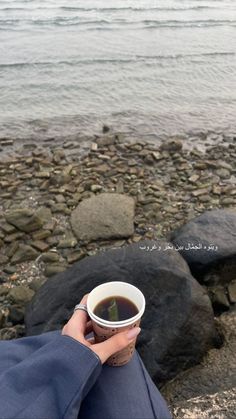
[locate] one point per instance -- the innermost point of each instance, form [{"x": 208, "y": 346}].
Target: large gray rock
[
  {"x": 24, "y": 219},
  {"x": 178, "y": 324},
  {"x": 209, "y": 389},
  {"x": 107, "y": 215},
  {"x": 217, "y": 228}
]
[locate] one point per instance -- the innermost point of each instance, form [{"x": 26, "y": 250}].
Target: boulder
[
  {"x": 209, "y": 246},
  {"x": 178, "y": 324},
  {"x": 24, "y": 219},
  {"x": 208, "y": 390},
  {"x": 107, "y": 215}
]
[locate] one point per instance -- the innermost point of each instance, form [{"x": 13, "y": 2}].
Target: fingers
[
  {"x": 116, "y": 343},
  {"x": 80, "y": 317},
  {"x": 89, "y": 328}
]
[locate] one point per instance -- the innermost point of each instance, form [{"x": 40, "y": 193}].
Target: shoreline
[{"x": 14, "y": 146}]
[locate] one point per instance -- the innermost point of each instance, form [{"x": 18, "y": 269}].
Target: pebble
[{"x": 169, "y": 184}]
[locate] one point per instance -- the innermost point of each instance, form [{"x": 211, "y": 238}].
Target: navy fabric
[
  {"x": 51, "y": 376},
  {"x": 125, "y": 392}
]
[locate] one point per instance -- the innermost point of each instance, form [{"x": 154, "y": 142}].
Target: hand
[{"x": 78, "y": 327}]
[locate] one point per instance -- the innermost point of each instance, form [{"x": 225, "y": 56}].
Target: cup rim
[{"x": 121, "y": 323}]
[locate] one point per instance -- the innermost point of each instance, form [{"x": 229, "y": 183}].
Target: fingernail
[{"x": 132, "y": 333}]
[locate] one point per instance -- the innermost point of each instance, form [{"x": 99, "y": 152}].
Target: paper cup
[{"x": 104, "y": 329}]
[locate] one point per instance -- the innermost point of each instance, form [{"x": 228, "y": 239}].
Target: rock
[
  {"x": 211, "y": 229},
  {"x": 4, "y": 290},
  {"x": 11, "y": 250},
  {"x": 67, "y": 243},
  {"x": 7, "y": 228},
  {"x": 50, "y": 257},
  {"x": 75, "y": 256},
  {"x": 208, "y": 390},
  {"x": 223, "y": 173},
  {"x": 105, "y": 129},
  {"x": 219, "y": 299},
  {"x": 178, "y": 312},
  {"x": 54, "y": 269},
  {"x": 232, "y": 292},
  {"x": 172, "y": 145},
  {"x": 3, "y": 259},
  {"x": 2, "y": 318},
  {"x": 16, "y": 314},
  {"x": 41, "y": 234},
  {"x": 228, "y": 201},
  {"x": 9, "y": 269},
  {"x": 36, "y": 284},
  {"x": 20, "y": 295},
  {"x": 24, "y": 253},
  {"x": 194, "y": 178},
  {"x": 157, "y": 155},
  {"x": 14, "y": 236},
  {"x": 149, "y": 159},
  {"x": 60, "y": 199},
  {"x": 93, "y": 147},
  {"x": 107, "y": 215},
  {"x": 42, "y": 175},
  {"x": 44, "y": 214},
  {"x": 40, "y": 245},
  {"x": 96, "y": 188},
  {"x": 8, "y": 333},
  {"x": 24, "y": 219},
  {"x": 106, "y": 140},
  {"x": 199, "y": 192}
]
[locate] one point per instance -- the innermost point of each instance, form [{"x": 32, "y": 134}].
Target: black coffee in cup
[{"x": 115, "y": 308}]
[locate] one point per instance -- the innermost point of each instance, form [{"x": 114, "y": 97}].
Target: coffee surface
[{"x": 115, "y": 308}]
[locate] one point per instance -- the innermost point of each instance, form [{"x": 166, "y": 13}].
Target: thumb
[{"x": 116, "y": 343}]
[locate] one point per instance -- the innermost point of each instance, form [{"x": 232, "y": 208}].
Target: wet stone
[
  {"x": 16, "y": 313},
  {"x": 40, "y": 245},
  {"x": 3, "y": 259},
  {"x": 24, "y": 219},
  {"x": 7, "y": 228},
  {"x": 41, "y": 234},
  {"x": 232, "y": 292},
  {"x": 4, "y": 290},
  {"x": 9, "y": 269},
  {"x": 24, "y": 253},
  {"x": 67, "y": 243},
  {"x": 12, "y": 237},
  {"x": 11, "y": 250},
  {"x": 54, "y": 269},
  {"x": 223, "y": 173},
  {"x": 20, "y": 294},
  {"x": 50, "y": 257},
  {"x": 75, "y": 256},
  {"x": 219, "y": 299}
]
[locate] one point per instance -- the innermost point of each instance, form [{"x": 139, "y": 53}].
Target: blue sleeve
[{"x": 50, "y": 382}]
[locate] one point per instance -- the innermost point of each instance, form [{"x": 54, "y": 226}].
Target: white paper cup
[{"x": 104, "y": 329}]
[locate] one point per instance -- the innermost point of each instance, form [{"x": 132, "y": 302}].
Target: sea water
[{"x": 147, "y": 68}]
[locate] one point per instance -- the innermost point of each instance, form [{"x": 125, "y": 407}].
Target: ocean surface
[{"x": 147, "y": 68}]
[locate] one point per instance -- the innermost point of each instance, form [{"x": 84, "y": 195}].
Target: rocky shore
[{"x": 137, "y": 191}]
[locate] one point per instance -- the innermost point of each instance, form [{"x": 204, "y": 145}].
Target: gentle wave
[
  {"x": 111, "y": 9},
  {"x": 135, "y": 58},
  {"x": 60, "y": 21}
]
